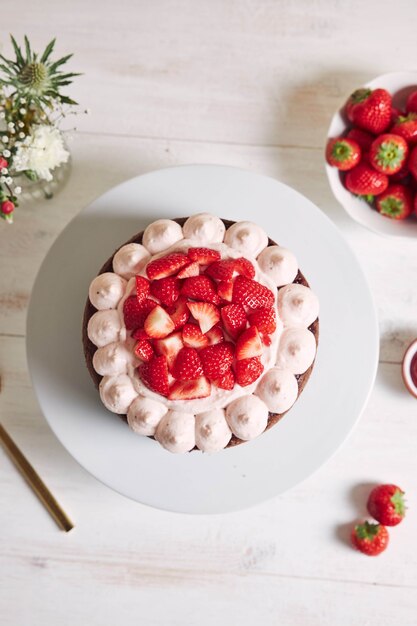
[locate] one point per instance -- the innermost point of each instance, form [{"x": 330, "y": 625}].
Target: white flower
[
  {"x": 6, "y": 153},
  {"x": 10, "y": 125},
  {"x": 41, "y": 152},
  {"x": 18, "y": 190},
  {"x": 21, "y": 135},
  {"x": 20, "y": 124},
  {"x": 5, "y": 139},
  {"x": 22, "y": 111},
  {"x": 9, "y": 180},
  {"x": 4, "y": 170}
]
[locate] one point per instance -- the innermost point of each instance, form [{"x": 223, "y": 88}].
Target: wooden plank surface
[{"x": 250, "y": 84}]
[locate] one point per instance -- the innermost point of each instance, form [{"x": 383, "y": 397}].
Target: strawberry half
[
  {"x": 180, "y": 312},
  {"x": 142, "y": 288},
  {"x": 215, "y": 335},
  {"x": 370, "y": 109},
  {"x": 234, "y": 319},
  {"x": 155, "y": 375},
  {"x": 249, "y": 344},
  {"x": 227, "y": 381},
  {"x": 396, "y": 202},
  {"x": 343, "y": 153},
  {"x": 248, "y": 370},
  {"x": 166, "y": 265},
  {"x": 200, "y": 288},
  {"x": 143, "y": 348},
  {"x": 193, "y": 337},
  {"x": 205, "y": 313},
  {"x": 169, "y": 347},
  {"x": 192, "y": 269},
  {"x": 244, "y": 266},
  {"x": 203, "y": 256},
  {"x": 135, "y": 313},
  {"x": 221, "y": 270},
  {"x": 167, "y": 290},
  {"x": 251, "y": 294},
  {"x": 187, "y": 365},
  {"x": 190, "y": 389},
  {"x": 265, "y": 320},
  {"x": 217, "y": 359},
  {"x": 388, "y": 153},
  {"x": 158, "y": 324},
  {"x": 225, "y": 290}
]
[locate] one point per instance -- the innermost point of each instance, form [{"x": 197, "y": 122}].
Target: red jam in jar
[{"x": 413, "y": 369}]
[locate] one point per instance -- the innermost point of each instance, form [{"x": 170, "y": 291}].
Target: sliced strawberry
[
  {"x": 244, "y": 267},
  {"x": 205, "y": 313},
  {"x": 227, "y": 381},
  {"x": 167, "y": 290},
  {"x": 190, "y": 389},
  {"x": 266, "y": 340},
  {"x": 155, "y": 375},
  {"x": 251, "y": 294},
  {"x": 204, "y": 256},
  {"x": 215, "y": 335},
  {"x": 192, "y": 269},
  {"x": 249, "y": 344},
  {"x": 200, "y": 288},
  {"x": 225, "y": 290},
  {"x": 158, "y": 324},
  {"x": 193, "y": 337},
  {"x": 143, "y": 348},
  {"x": 217, "y": 359},
  {"x": 234, "y": 319},
  {"x": 265, "y": 320},
  {"x": 166, "y": 265},
  {"x": 221, "y": 270},
  {"x": 142, "y": 288},
  {"x": 248, "y": 370},
  {"x": 180, "y": 312},
  {"x": 135, "y": 313},
  {"x": 187, "y": 365},
  {"x": 169, "y": 347}
]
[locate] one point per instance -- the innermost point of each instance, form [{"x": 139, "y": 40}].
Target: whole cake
[{"x": 200, "y": 332}]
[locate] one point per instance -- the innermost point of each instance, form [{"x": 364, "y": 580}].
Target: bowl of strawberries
[{"x": 371, "y": 154}]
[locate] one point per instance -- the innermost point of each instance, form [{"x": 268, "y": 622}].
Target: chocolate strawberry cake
[{"x": 200, "y": 332}]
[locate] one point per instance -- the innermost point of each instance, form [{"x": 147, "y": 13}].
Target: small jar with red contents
[{"x": 409, "y": 368}]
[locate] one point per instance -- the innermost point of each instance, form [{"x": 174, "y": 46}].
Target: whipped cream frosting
[
  {"x": 161, "y": 235},
  {"x": 246, "y": 237},
  {"x": 279, "y": 264},
  {"x": 211, "y": 431},
  {"x": 105, "y": 327},
  {"x": 204, "y": 228},
  {"x": 106, "y": 290},
  {"x": 117, "y": 393},
  {"x": 176, "y": 431},
  {"x": 278, "y": 388},
  {"x": 130, "y": 260},
  {"x": 209, "y": 422},
  {"x": 298, "y": 306},
  {"x": 144, "y": 415},
  {"x": 297, "y": 350},
  {"x": 247, "y": 417}
]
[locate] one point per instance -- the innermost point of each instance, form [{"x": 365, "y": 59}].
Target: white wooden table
[{"x": 250, "y": 83}]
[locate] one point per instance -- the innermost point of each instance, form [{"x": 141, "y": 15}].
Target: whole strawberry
[
  {"x": 370, "y": 109},
  {"x": 343, "y": 153},
  {"x": 369, "y": 538},
  {"x": 386, "y": 504},
  {"x": 406, "y": 126},
  {"x": 388, "y": 153},
  {"x": 395, "y": 202},
  {"x": 411, "y": 106},
  {"x": 364, "y": 180},
  {"x": 412, "y": 163},
  {"x": 361, "y": 137}
]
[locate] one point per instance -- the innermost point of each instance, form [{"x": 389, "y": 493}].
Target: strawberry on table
[
  {"x": 155, "y": 375},
  {"x": 193, "y": 337},
  {"x": 362, "y": 138},
  {"x": 169, "y": 347},
  {"x": 386, "y": 504},
  {"x": 203, "y": 256},
  {"x": 200, "y": 288},
  {"x": 388, "y": 153},
  {"x": 343, "y": 153},
  {"x": 166, "y": 265},
  {"x": 364, "y": 180},
  {"x": 158, "y": 324},
  {"x": 265, "y": 320},
  {"x": 406, "y": 126},
  {"x": 411, "y": 105},
  {"x": 248, "y": 370},
  {"x": 249, "y": 344},
  {"x": 190, "y": 389},
  {"x": 205, "y": 313},
  {"x": 187, "y": 365},
  {"x": 217, "y": 359},
  {"x": 396, "y": 202},
  {"x": 370, "y": 109},
  {"x": 369, "y": 538},
  {"x": 180, "y": 312},
  {"x": 142, "y": 288},
  {"x": 249, "y": 293},
  {"x": 234, "y": 319}
]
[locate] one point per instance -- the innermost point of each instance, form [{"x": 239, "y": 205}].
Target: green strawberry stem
[{"x": 367, "y": 530}]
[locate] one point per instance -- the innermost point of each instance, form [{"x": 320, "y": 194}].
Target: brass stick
[{"x": 35, "y": 481}]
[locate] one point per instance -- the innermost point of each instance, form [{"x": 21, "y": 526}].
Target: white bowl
[{"x": 400, "y": 85}]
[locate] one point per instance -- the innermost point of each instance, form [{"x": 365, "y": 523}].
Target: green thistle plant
[{"x": 34, "y": 77}]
